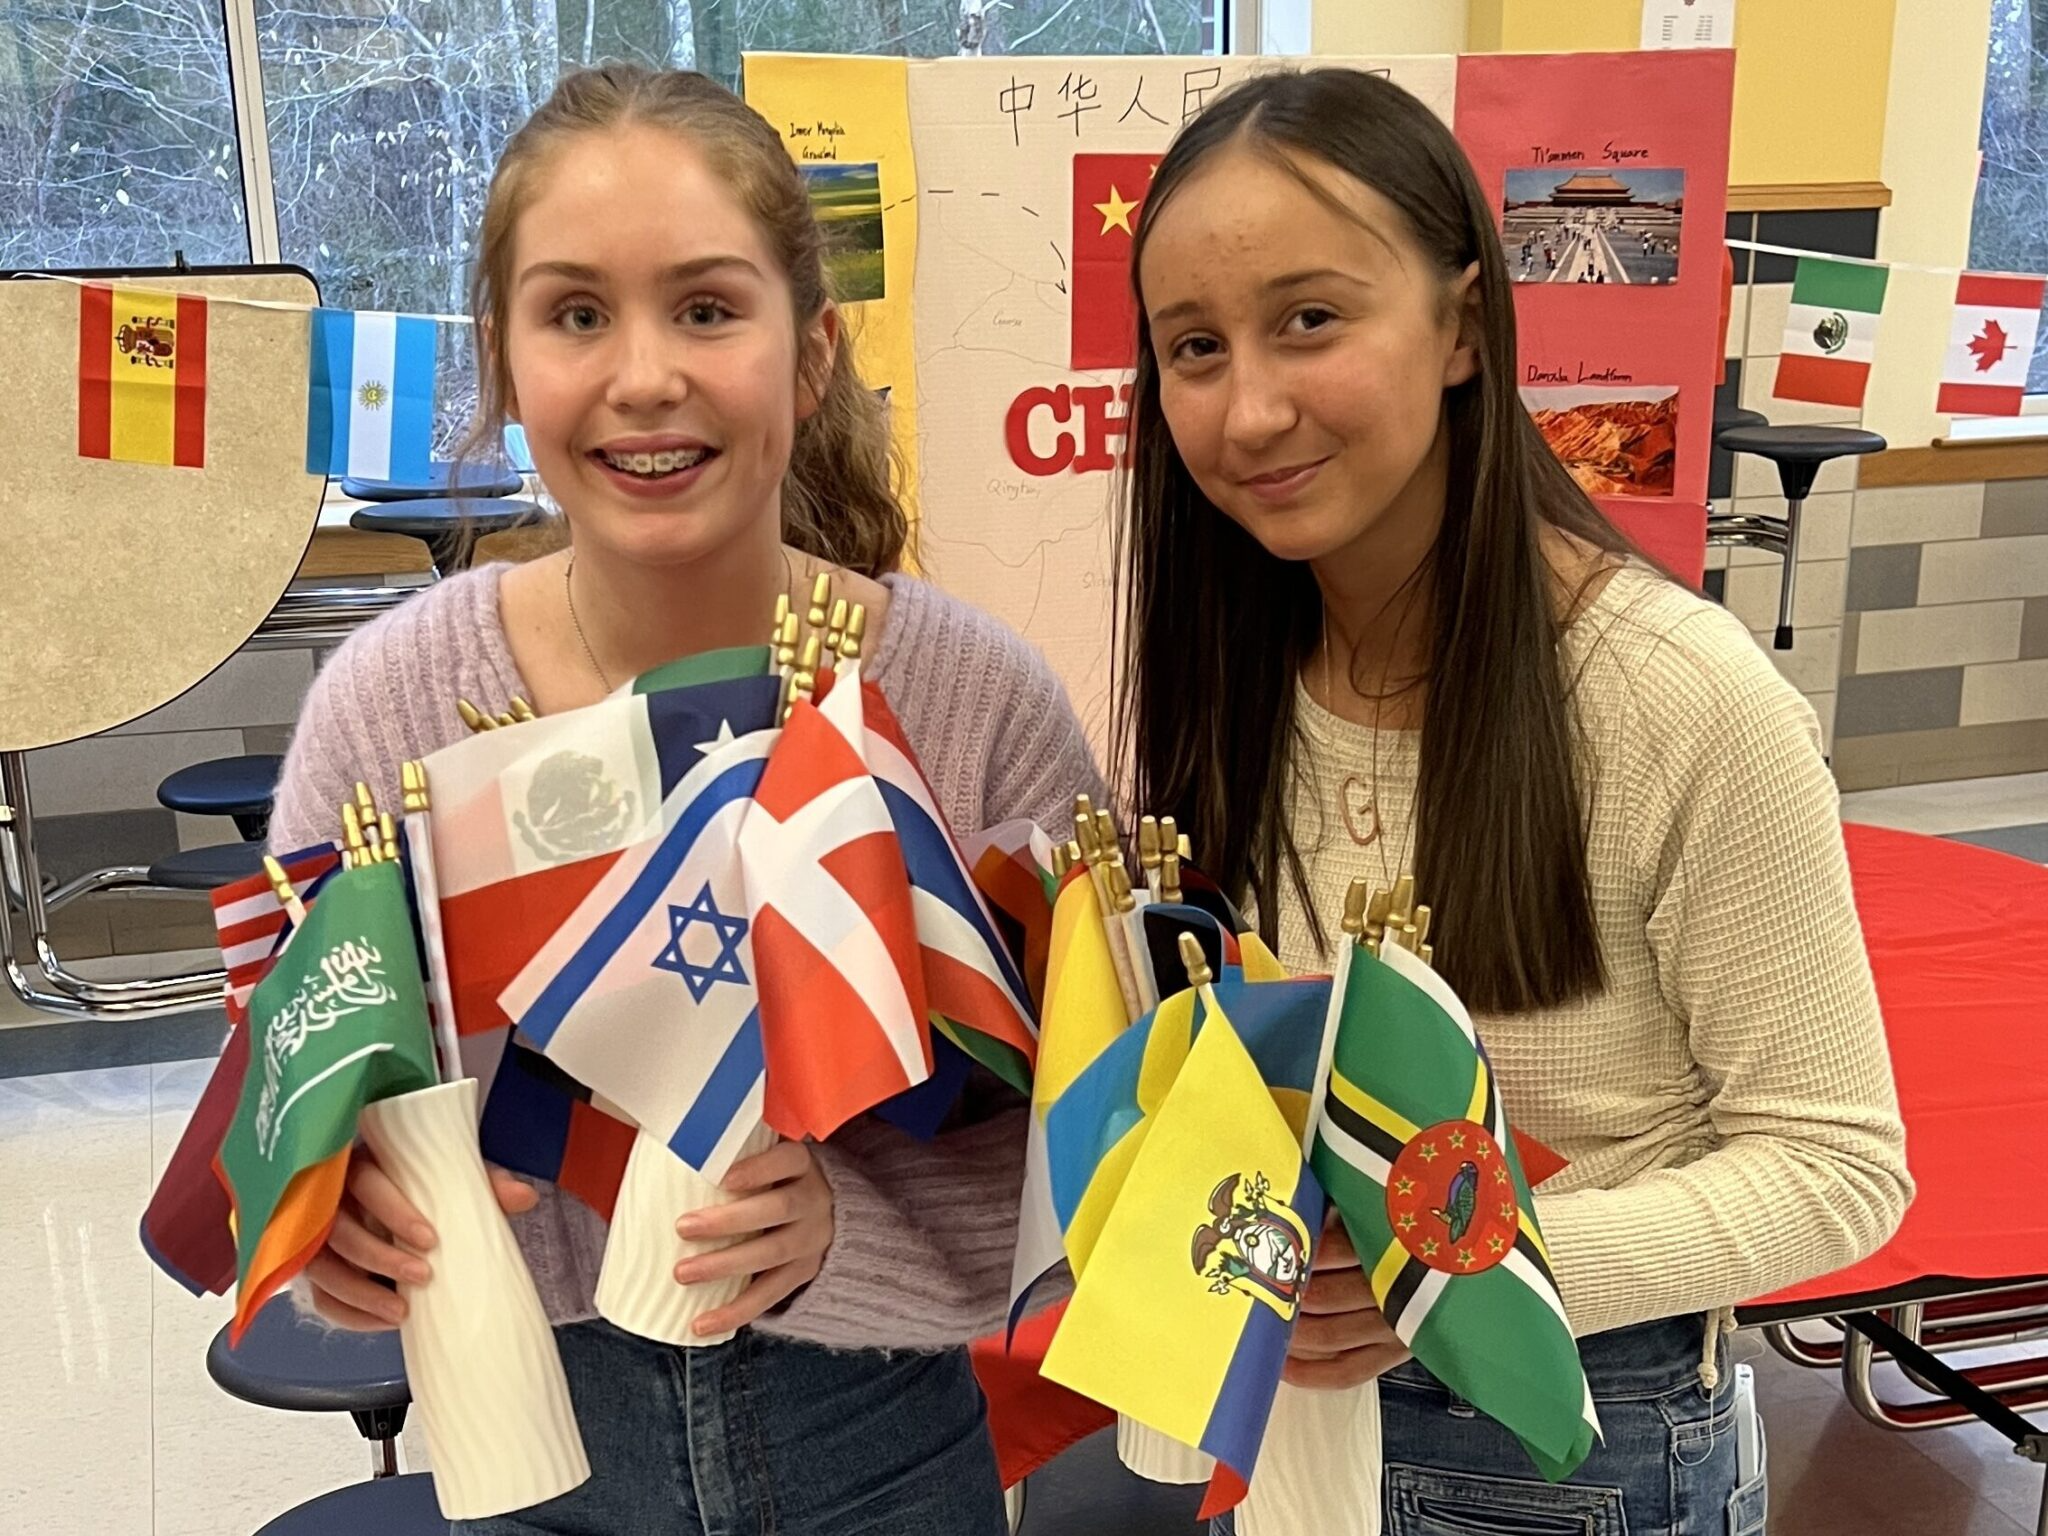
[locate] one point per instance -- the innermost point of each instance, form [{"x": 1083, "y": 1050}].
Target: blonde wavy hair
[{"x": 839, "y": 500}]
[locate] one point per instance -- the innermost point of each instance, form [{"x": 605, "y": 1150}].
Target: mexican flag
[
  {"x": 1990, "y": 344},
  {"x": 1414, "y": 1150},
  {"x": 1831, "y": 331},
  {"x": 340, "y": 1021}
]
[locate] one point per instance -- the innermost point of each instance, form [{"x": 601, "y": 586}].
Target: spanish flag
[{"x": 141, "y": 376}]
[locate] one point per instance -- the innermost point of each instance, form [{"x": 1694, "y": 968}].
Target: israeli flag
[{"x": 371, "y": 413}]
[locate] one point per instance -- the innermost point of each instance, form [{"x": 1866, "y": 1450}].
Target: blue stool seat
[
  {"x": 475, "y": 480},
  {"x": 385, "y": 1506},
  {"x": 442, "y": 523},
  {"x": 241, "y": 787},
  {"x": 286, "y": 1361},
  {"x": 207, "y": 869}
]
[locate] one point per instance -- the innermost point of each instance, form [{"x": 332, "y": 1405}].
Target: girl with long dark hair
[{"x": 1371, "y": 626}]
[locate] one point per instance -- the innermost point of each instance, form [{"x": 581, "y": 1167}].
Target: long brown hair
[
  {"x": 838, "y": 498},
  {"x": 1215, "y": 629}
]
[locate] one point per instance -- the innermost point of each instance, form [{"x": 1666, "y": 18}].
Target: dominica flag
[
  {"x": 371, "y": 411},
  {"x": 1990, "y": 344},
  {"x": 339, "y": 1022},
  {"x": 141, "y": 376},
  {"x": 1414, "y": 1150},
  {"x": 1831, "y": 331}
]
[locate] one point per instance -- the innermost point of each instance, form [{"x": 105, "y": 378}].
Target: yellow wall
[
  {"x": 1373, "y": 27},
  {"x": 1930, "y": 163},
  {"x": 1812, "y": 77}
]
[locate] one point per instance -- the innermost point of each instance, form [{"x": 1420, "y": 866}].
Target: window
[
  {"x": 386, "y": 116},
  {"x": 117, "y": 135},
  {"x": 2009, "y": 228}
]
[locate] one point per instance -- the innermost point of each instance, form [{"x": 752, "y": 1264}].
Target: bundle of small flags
[
  {"x": 722, "y": 896},
  {"x": 1190, "y": 1129}
]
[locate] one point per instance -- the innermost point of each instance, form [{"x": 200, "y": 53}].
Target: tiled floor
[{"x": 112, "y": 1427}]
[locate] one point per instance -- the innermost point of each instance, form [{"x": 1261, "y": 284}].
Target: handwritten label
[
  {"x": 1615, "y": 154},
  {"x": 816, "y": 141},
  {"x": 1543, "y": 154},
  {"x": 1535, "y": 373}
]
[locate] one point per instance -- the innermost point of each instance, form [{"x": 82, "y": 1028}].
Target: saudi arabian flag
[
  {"x": 340, "y": 1022},
  {"x": 1414, "y": 1150},
  {"x": 1831, "y": 331}
]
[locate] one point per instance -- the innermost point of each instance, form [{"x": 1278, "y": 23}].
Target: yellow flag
[{"x": 1084, "y": 1006}]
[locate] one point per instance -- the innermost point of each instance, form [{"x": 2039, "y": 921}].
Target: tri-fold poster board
[{"x": 982, "y": 213}]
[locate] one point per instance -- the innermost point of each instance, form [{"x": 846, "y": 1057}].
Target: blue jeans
[
  {"x": 767, "y": 1437},
  {"x": 1667, "y": 1466}
]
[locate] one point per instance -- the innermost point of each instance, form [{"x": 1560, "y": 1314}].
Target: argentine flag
[{"x": 371, "y": 413}]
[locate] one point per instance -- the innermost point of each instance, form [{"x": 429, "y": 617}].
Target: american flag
[{"x": 250, "y": 922}]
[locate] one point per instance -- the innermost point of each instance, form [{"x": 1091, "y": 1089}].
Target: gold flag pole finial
[
  {"x": 412, "y": 782},
  {"x": 354, "y": 851},
  {"x": 781, "y": 618},
  {"x": 856, "y": 632},
  {"x": 473, "y": 717},
  {"x": 1122, "y": 898},
  {"x": 821, "y": 597},
  {"x": 522, "y": 711},
  {"x": 1084, "y": 830},
  {"x": 1062, "y": 860},
  {"x": 366, "y": 811},
  {"x": 803, "y": 682},
  {"x": 1197, "y": 963},
  {"x": 1169, "y": 876},
  {"x": 1356, "y": 895},
  {"x": 1148, "y": 843},
  {"x": 387, "y": 836},
  {"x": 785, "y": 645},
  {"x": 281, "y": 885},
  {"x": 835, "y": 628},
  {"x": 1106, "y": 835}
]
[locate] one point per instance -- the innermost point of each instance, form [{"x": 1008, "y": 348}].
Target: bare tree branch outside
[{"x": 2009, "y": 230}]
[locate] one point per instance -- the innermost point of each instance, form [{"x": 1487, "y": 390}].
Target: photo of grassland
[{"x": 848, "y": 202}]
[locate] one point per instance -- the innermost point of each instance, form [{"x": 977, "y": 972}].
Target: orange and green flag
[
  {"x": 141, "y": 376},
  {"x": 340, "y": 1021}
]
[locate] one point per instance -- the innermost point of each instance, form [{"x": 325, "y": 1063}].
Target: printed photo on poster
[
  {"x": 1616, "y": 442},
  {"x": 848, "y": 202},
  {"x": 1615, "y": 225}
]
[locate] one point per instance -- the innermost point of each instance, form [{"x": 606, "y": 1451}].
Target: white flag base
[
  {"x": 1157, "y": 1457},
  {"x": 481, "y": 1358},
  {"x": 637, "y": 1288},
  {"x": 1319, "y": 1466}
]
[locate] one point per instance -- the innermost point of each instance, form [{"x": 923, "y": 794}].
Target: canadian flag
[{"x": 1990, "y": 344}]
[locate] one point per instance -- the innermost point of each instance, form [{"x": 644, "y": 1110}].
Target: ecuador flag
[
  {"x": 141, "y": 376},
  {"x": 1182, "y": 1316}
]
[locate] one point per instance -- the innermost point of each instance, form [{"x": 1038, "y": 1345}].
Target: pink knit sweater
[{"x": 921, "y": 1253}]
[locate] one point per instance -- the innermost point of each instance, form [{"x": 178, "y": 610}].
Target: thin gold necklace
[
  {"x": 569, "y": 591},
  {"x": 1374, "y": 837}
]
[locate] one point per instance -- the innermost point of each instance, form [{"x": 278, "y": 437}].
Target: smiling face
[
  {"x": 1303, "y": 352},
  {"x": 652, "y": 348}
]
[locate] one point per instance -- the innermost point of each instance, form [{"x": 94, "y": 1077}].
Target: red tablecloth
[{"x": 1958, "y": 939}]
